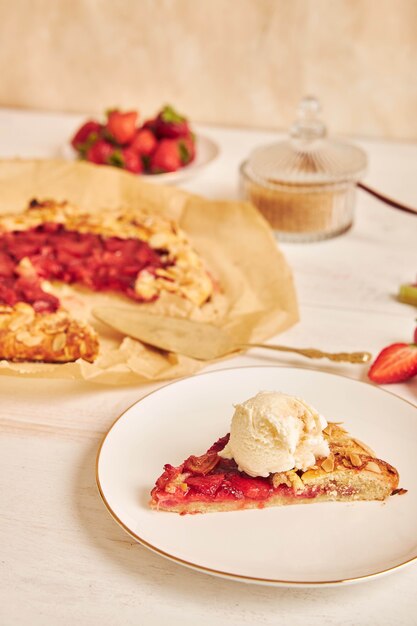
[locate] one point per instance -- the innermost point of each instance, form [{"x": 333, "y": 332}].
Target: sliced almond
[
  {"x": 21, "y": 335},
  {"x": 27, "y": 309},
  {"x": 373, "y": 467},
  {"x": 82, "y": 347},
  {"x": 296, "y": 482},
  {"x": 145, "y": 285},
  {"x": 355, "y": 459},
  {"x": 328, "y": 464},
  {"x": 59, "y": 342},
  {"x": 159, "y": 240},
  {"x": 18, "y": 322},
  {"x": 27, "y": 339},
  {"x": 334, "y": 429},
  {"x": 364, "y": 447},
  {"x": 57, "y": 324},
  {"x": 280, "y": 478},
  {"x": 5, "y": 309},
  {"x": 33, "y": 340}
]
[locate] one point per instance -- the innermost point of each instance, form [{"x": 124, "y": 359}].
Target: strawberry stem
[{"x": 169, "y": 114}]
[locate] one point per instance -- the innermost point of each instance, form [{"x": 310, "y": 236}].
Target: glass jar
[{"x": 305, "y": 186}]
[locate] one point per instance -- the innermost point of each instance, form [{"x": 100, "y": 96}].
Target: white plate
[
  {"x": 317, "y": 544},
  {"x": 206, "y": 151}
]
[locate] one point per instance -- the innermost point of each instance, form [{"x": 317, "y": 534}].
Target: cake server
[{"x": 198, "y": 340}]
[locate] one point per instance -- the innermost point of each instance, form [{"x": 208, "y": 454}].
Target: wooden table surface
[{"x": 63, "y": 559}]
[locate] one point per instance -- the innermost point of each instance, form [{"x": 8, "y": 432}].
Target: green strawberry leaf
[
  {"x": 109, "y": 137},
  {"x": 110, "y": 110},
  {"x": 170, "y": 115},
  {"x": 83, "y": 148},
  {"x": 408, "y": 294},
  {"x": 185, "y": 155},
  {"x": 116, "y": 159}
]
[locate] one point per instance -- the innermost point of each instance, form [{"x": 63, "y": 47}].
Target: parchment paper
[{"x": 255, "y": 298}]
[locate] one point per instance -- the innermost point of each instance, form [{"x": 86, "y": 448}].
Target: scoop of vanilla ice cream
[{"x": 274, "y": 432}]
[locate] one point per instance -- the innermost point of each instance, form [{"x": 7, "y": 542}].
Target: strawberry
[
  {"x": 201, "y": 464},
  {"x": 166, "y": 158},
  {"x": 394, "y": 364},
  {"x": 132, "y": 161},
  {"x": 7, "y": 265},
  {"x": 187, "y": 149},
  {"x": 121, "y": 127},
  {"x": 170, "y": 124},
  {"x": 170, "y": 473},
  {"x": 207, "y": 485},
  {"x": 100, "y": 152},
  {"x": 150, "y": 125},
  {"x": 86, "y": 134},
  {"x": 254, "y": 488},
  {"x": 219, "y": 444},
  {"x": 144, "y": 142}
]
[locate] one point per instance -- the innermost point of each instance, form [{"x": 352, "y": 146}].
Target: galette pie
[
  {"x": 129, "y": 252},
  {"x": 210, "y": 482}
]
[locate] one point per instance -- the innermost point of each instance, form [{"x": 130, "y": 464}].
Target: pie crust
[
  {"x": 210, "y": 483},
  {"x": 129, "y": 251}
]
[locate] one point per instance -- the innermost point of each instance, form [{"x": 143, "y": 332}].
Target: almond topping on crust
[
  {"x": 296, "y": 482},
  {"x": 280, "y": 478},
  {"x": 59, "y": 342},
  {"x": 328, "y": 464},
  {"x": 27, "y": 309},
  {"x": 373, "y": 467},
  {"x": 355, "y": 459},
  {"x": 57, "y": 324},
  {"x": 83, "y": 347},
  {"x": 290, "y": 478},
  {"x": 25, "y": 315},
  {"x": 364, "y": 447},
  {"x": 18, "y": 322},
  {"x": 27, "y": 339}
]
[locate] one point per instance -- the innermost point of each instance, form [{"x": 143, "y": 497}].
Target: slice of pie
[
  {"x": 211, "y": 483},
  {"x": 130, "y": 252}
]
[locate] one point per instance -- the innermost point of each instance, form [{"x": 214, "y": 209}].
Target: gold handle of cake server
[{"x": 313, "y": 353}]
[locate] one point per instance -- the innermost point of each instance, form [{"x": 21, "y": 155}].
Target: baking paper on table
[{"x": 255, "y": 298}]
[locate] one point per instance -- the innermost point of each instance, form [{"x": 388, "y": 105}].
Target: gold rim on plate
[{"x": 231, "y": 575}]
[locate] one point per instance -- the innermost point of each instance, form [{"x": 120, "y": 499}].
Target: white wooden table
[{"x": 63, "y": 559}]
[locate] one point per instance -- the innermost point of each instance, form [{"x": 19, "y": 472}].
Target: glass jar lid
[{"x": 308, "y": 156}]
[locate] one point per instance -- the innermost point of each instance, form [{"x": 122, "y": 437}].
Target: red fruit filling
[
  {"x": 214, "y": 479},
  {"x": 17, "y": 289},
  {"x": 201, "y": 464},
  {"x": 96, "y": 262}
]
